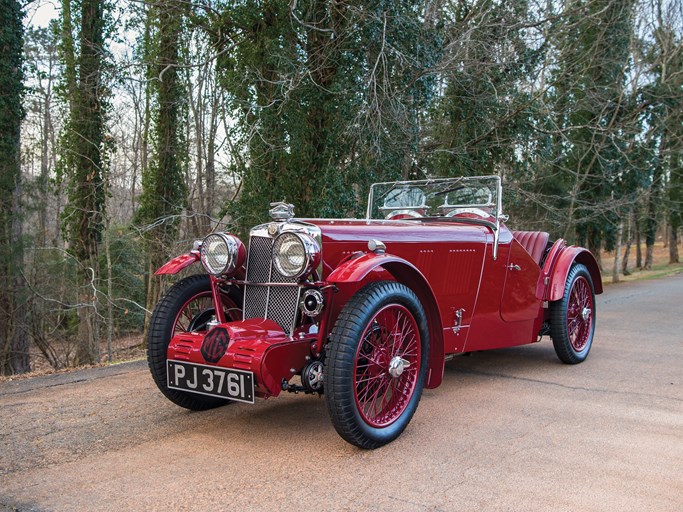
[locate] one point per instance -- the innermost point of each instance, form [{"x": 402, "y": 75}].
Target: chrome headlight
[
  {"x": 222, "y": 253},
  {"x": 295, "y": 254}
]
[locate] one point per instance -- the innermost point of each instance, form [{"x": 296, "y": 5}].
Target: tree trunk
[
  {"x": 44, "y": 165},
  {"x": 110, "y": 293},
  {"x": 649, "y": 256},
  {"x": 673, "y": 244},
  {"x": 639, "y": 247},
  {"x": 14, "y": 356},
  {"x": 84, "y": 162},
  {"x": 68, "y": 54},
  {"x": 666, "y": 233},
  {"x": 164, "y": 192},
  {"x": 651, "y": 222},
  {"x": 19, "y": 359},
  {"x": 629, "y": 242},
  {"x": 675, "y": 194},
  {"x": 617, "y": 252},
  {"x": 87, "y": 350}
]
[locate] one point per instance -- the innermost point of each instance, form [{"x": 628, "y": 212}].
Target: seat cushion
[{"x": 535, "y": 242}]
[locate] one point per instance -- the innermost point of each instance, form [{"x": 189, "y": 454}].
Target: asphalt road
[{"x": 508, "y": 430}]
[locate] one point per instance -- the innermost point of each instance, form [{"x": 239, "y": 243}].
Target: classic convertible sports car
[{"x": 367, "y": 311}]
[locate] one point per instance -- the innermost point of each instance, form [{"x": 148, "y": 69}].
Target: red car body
[{"x": 481, "y": 286}]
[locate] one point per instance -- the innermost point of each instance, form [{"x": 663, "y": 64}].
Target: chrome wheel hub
[
  {"x": 397, "y": 365},
  {"x": 586, "y": 314}
]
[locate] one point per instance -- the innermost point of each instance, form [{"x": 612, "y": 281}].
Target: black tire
[
  {"x": 358, "y": 358},
  {"x": 572, "y": 318},
  {"x": 161, "y": 327}
]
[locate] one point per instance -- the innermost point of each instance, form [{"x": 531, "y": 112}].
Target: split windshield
[{"x": 447, "y": 197}]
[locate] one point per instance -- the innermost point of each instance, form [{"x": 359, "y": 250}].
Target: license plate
[{"x": 211, "y": 380}]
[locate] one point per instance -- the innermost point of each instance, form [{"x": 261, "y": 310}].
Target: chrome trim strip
[
  {"x": 253, "y": 283},
  {"x": 270, "y": 278}
]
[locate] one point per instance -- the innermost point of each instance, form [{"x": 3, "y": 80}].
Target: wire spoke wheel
[
  {"x": 199, "y": 309},
  {"x": 579, "y": 314},
  {"x": 376, "y": 364},
  {"x": 187, "y": 307},
  {"x": 392, "y": 336},
  {"x": 572, "y": 319}
]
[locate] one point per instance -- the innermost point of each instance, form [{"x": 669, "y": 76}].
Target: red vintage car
[{"x": 367, "y": 311}]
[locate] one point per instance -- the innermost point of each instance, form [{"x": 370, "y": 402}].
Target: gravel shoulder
[{"x": 508, "y": 430}]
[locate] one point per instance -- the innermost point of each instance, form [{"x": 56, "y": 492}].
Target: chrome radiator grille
[{"x": 278, "y": 303}]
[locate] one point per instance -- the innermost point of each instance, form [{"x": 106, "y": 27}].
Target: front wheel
[
  {"x": 376, "y": 364},
  {"x": 187, "y": 307},
  {"x": 572, "y": 318}
]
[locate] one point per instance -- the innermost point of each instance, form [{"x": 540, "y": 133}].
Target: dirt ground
[
  {"x": 508, "y": 430},
  {"x": 124, "y": 348}
]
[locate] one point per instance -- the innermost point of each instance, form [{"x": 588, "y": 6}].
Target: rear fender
[
  {"x": 178, "y": 263},
  {"x": 357, "y": 269},
  {"x": 562, "y": 265}
]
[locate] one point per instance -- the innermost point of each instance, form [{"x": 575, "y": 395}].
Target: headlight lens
[
  {"x": 222, "y": 253},
  {"x": 295, "y": 254}
]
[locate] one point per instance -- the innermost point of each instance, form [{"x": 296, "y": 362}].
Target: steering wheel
[
  {"x": 478, "y": 212},
  {"x": 403, "y": 214}
]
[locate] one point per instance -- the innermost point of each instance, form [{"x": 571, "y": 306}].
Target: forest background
[{"x": 130, "y": 128}]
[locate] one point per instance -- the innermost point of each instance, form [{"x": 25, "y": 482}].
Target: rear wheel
[
  {"x": 572, "y": 318},
  {"x": 187, "y": 307},
  {"x": 376, "y": 364}
]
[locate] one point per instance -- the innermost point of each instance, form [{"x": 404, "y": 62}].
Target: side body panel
[
  {"x": 440, "y": 263},
  {"x": 449, "y": 256},
  {"x": 499, "y": 324},
  {"x": 522, "y": 273}
]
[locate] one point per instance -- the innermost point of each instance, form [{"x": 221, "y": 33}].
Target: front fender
[
  {"x": 564, "y": 262},
  {"x": 178, "y": 263},
  {"x": 357, "y": 269}
]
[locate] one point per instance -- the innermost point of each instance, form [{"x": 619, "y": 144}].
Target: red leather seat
[{"x": 535, "y": 242}]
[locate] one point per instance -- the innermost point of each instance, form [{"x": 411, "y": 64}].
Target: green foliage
[
  {"x": 13, "y": 343},
  {"x": 11, "y": 112},
  {"x": 327, "y": 98},
  {"x": 485, "y": 109},
  {"x": 128, "y": 284},
  {"x": 590, "y": 108},
  {"x": 163, "y": 182}
]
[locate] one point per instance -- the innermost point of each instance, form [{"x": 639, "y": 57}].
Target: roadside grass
[{"x": 660, "y": 267}]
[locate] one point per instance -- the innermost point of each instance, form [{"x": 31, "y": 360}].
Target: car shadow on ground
[
  {"x": 296, "y": 419},
  {"x": 299, "y": 419},
  {"x": 525, "y": 356}
]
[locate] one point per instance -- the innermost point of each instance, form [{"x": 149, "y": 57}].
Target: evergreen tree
[
  {"x": 589, "y": 103},
  {"x": 327, "y": 96},
  {"x": 164, "y": 194},
  {"x": 665, "y": 96},
  {"x": 13, "y": 336},
  {"x": 481, "y": 122},
  {"x": 84, "y": 159}
]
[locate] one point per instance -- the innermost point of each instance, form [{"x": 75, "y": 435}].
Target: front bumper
[{"x": 258, "y": 345}]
